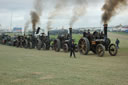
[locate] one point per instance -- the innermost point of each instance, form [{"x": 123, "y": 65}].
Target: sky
[{"x": 15, "y": 13}]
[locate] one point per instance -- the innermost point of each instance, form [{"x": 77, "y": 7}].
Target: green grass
[
  {"x": 77, "y": 37},
  {"x": 124, "y": 33},
  {"x": 19, "y": 66}
]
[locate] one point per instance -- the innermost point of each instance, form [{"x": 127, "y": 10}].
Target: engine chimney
[
  {"x": 105, "y": 30},
  {"x": 33, "y": 34},
  {"x": 70, "y": 31},
  {"x": 38, "y": 30}
]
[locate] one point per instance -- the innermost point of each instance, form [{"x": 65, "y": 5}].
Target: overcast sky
[{"x": 20, "y": 10}]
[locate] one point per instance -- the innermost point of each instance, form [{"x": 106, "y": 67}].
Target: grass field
[{"x": 19, "y": 66}]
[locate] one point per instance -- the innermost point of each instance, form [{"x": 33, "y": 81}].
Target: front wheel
[
  {"x": 113, "y": 50},
  {"x": 44, "y": 46},
  {"x": 65, "y": 47},
  {"x": 30, "y": 45},
  {"x": 100, "y": 50},
  {"x": 39, "y": 45}
]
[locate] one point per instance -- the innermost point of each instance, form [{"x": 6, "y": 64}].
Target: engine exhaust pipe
[
  {"x": 38, "y": 30},
  {"x": 105, "y": 30},
  {"x": 33, "y": 33},
  {"x": 70, "y": 32}
]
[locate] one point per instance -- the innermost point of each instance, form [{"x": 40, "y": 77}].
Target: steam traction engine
[
  {"x": 43, "y": 41},
  {"x": 98, "y": 43},
  {"x": 19, "y": 41},
  {"x": 5, "y": 39},
  {"x": 31, "y": 40},
  {"x": 63, "y": 41}
]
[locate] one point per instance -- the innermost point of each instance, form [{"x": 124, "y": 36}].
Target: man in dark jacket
[
  {"x": 72, "y": 51},
  {"x": 117, "y": 43}
]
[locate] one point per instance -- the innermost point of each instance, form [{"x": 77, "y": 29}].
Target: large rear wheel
[
  {"x": 57, "y": 45},
  {"x": 84, "y": 46}
]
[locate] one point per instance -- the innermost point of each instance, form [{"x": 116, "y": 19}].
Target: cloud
[
  {"x": 15, "y": 4},
  {"x": 22, "y": 8}
]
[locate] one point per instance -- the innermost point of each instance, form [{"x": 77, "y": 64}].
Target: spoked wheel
[
  {"x": 17, "y": 44},
  {"x": 113, "y": 50},
  {"x": 26, "y": 44},
  {"x": 84, "y": 46},
  {"x": 39, "y": 45},
  {"x": 44, "y": 46},
  {"x": 21, "y": 44},
  {"x": 65, "y": 47},
  {"x": 100, "y": 50},
  {"x": 57, "y": 45},
  {"x": 30, "y": 45}
]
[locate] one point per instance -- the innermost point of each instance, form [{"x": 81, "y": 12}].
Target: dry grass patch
[{"x": 47, "y": 77}]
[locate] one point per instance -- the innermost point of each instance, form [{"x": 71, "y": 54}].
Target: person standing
[
  {"x": 72, "y": 51},
  {"x": 84, "y": 33},
  {"x": 117, "y": 43}
]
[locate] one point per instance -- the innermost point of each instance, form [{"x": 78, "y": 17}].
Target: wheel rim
[
  {"x": 44, "y": 46},
  {"x": 26, "y": 44},
  {"x": 17, "y": 44},
  {"x": 113, "y": 50},
  {"x": 83, "y": 46},
  {"x": 100, "y": 50},
  {"x": 57, "y": 45},
  {"x": 30, "y": 45},
  {"x": 65, "y": 48},
  {"x": 39, "y": 45}
]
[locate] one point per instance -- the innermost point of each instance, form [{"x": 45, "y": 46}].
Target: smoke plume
[
  {"x": 35, "y": 19},
  {"x": 78, "y": 11},
  {"x": 59, "y": 6},
  {"x": 110, "y": 7},
  {"x": 35, "y": 15}
]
